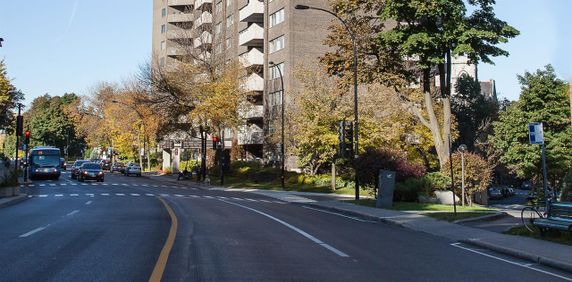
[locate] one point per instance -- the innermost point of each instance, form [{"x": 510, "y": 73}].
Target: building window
[
  {"x": 229, "y": 21},
  {"x": 164, "y": 12},
  {"x": 275, "y": 98},
  {"x": 217, "y": 29},
  {"x": 163, "y": 45},
  {"x": 276, "y": 44},
  {"x": 277, "y": 18},
  {"x": 274, "y": 73},
  {"x": 163, "y": 29}
]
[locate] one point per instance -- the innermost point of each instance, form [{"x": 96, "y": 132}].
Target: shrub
[
  {"x": 264, "y": 175},
  {"x": 477, "y": 173},
  {"x": 373, "y": 160},
  {"x": 190, "y": 165},
  {"x": 408, "y": 190}
]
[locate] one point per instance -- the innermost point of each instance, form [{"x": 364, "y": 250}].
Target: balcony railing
[
  {"x": 205, "y": 18},
  {"x": 176, "y": 51},
  {"x": 178, "y": 34},
  {"x": 181, "y": 2},
  {"x": 180, "y": 18},
  {"x": 200, "y": 3},
  {"x": 251, "y": 36},
  {"x": 204, "y": 40},
  {"x": 253, "y": 12},
  {"x": 252, "y": 112},
  {"x": 252, "y": 58},
  {"x": 250, "y": 135},
  {"x": 253, "y": 83}
]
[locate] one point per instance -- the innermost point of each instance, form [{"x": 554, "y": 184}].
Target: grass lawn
[
  {"x": 449, "y": 216},
  {"x": 236, "y": 182},
  {"x": 552, "y": 235},
  {"x": 406, "y": 206}
]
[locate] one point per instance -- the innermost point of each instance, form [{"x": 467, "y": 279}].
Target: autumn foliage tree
[{"x": 478, "y": 174}]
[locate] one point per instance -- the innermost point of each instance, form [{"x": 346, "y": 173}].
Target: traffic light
[
  {"x": 27, "y": 137},
  {"x": 346, "y": 136}
]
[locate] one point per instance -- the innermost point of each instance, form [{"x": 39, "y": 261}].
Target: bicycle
[{"x": 529, "y": 214}]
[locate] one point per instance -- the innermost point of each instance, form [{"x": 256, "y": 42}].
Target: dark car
[
  {"x": 494, "y": 193},
  {"x": 63, "y": 164},
  {"x": 90, "y": 171},
  {"x": 75, "y": 168},
  {"x": 118, "y": 166},
  {"x": 105, "y": 164}
]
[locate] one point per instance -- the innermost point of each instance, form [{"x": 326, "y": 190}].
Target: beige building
[{"x": 254, "y": 32}]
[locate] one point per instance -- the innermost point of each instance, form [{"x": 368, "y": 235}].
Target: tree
[
  {"x": 544, "y": 98},
  {"x": 473, "y": 112},
  {"x": 402, "y": 40},
  {"x": 477, "y": 174},
  {"x": 9, "y": 98}
]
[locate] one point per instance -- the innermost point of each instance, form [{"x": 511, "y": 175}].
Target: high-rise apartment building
[{"x": 253, "y": 32}]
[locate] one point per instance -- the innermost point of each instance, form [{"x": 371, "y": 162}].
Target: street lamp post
[
  {"x": 355, "y": 80},
  {"x": 462, "y": 149},
  {"x": 282, "y": 146},
  {"x": 143, "y": 130}
]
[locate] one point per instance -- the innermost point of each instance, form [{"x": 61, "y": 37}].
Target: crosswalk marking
[
  {"x": 149, "y": 195},
  {"x": 74, "y": 195},
  {"x": 59, "y": 195},
  {"x": 52, "y": 185},
  {"x": 104, "y": 194},
  {"x": 135, "y": 194},
  {"x": 119, "y": 194}
]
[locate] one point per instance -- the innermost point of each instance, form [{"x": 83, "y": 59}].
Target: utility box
[{"x": 386, "y": 182}]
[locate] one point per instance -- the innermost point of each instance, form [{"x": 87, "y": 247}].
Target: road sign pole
[{"x": 545, "y": 177}]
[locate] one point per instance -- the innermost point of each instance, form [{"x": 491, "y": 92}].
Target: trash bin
[{"x": 386, "y": 182}]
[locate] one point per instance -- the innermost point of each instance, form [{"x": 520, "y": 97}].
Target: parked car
[
  {"x": 75, "y": 168},
  {"x": 105, "y": 164},
  {"x": 526, "y": 185},
  {"x": 494, "y": 193},
  {"x": 118, "y": 166},
  {"x": 91, "y": 171},
  {"x": 132, "y": 169},
  {"x": 63, "y": 164}
]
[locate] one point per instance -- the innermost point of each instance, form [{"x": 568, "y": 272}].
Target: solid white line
[
  {"x": 338, "y": 214},
  {"x": 88, "y": 203},
  {"x": 72, "y": 213},
  {"x": 33, "y": 231},
  {"x": 528, "y": 266},
  {"x": 296, "y": 229}
]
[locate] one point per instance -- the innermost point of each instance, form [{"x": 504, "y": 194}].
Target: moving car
[
  {"x": 118, "y": 166},
  {"x": 105, "y": 164},
  {"x": 75, "y": 168},
  {"x": 90, "y": 171},
  {"x": 132, "y": 168}
]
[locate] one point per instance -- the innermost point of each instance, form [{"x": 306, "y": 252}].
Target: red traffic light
[
  {"x": 215, "y": 139},
  {"x": 27, "y": 134}
]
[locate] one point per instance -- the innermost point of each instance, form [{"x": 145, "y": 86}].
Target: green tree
[
  {"x": 9, "y": 97},
  {"x": 473, "y": 111},
  {"x": 403, "y": 40},
  {"x": 544, "y": 98}
]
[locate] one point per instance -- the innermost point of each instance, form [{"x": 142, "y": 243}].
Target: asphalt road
[{"x": 119, "y": 231}]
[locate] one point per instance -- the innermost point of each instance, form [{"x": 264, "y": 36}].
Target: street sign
[{"x": 536, "y": 133}]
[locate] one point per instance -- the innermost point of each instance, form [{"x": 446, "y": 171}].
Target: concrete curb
[
  {"x": 354, "y": 213},
  {"x": 7, "y": 202},
  {"x": 520, "y": 254},
  {"x": 484, "y": 217}
]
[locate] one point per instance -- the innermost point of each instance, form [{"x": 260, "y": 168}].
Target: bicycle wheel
[{"x": 528, "y": 215}]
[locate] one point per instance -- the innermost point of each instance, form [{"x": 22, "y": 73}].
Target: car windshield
[
  {"x": 46, "y": 161},
  {"x": 79, "y": 163},
  {"x": 91, "y": 166}
]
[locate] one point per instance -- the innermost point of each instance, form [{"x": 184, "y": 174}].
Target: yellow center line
[{"x": 164, "y": 256}]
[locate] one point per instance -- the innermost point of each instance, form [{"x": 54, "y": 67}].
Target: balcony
[
  {"x": 252, "y": 112},
  {"x": 204, "y": 19},
  {"x": 176, "y": 51},
  {"x": 250, "y": 135},
  {"x": 179, "y": 18},
  {"x": 253, "y": 83},
  {"x": 204, "y": 41},
  {"x": 251, "y": 36},
  {"x": 180, "y": 3},
  {"x": 200, "y": 4},
  {"x": 253, "y": 12},
  {"x": 252, "y": 58},
  {"x": 178, "y": 34}
]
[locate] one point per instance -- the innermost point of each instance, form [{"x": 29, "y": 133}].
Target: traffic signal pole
[{"x": 19, "y": 129}]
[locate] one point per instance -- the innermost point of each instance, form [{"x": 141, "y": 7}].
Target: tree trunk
[
  {"x": 434, "y": 127},
  {"x": 334, "y": 175}
]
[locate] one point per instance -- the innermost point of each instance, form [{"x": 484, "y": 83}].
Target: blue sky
[{"x": 70, "y": 45}]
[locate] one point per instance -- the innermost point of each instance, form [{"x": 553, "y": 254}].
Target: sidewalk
[
  {"x": 537, "y": 251},
  {"x": 10, "y": 201}
]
